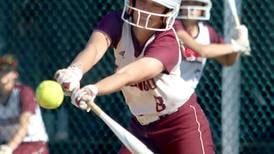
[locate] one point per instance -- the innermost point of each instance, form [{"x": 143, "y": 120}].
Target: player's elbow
[
  {"x": 230, "y": 59},
  {"x": 228, "y": 63}
]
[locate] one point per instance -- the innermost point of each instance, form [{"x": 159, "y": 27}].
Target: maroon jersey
[{"x": 21, "y": 100}]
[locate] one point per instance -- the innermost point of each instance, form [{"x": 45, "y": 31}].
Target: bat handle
[
  {"x": 237, "y": 21},
  {"x": 95, "y": 108}
]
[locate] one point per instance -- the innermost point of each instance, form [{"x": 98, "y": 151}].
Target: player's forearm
[
  {"x": 93, "y": 52},
  {"x": 112, "y": 83},
  {"x": 215, "y": 50},
  {"x": 142, "y": 69},
  {"x": 118, "y": 80},
  {"x": 208, "y": 51},
  {"x": 21, "y": 132},
  {"x": 17, "y": 139},
  {"x": 85, "y": 60}
]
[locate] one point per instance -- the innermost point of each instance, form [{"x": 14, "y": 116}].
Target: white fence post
[{"x": 230, "y": 93}]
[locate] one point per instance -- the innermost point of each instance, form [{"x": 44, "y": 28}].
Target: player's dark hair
[
  {"x": 130, "y": 11},
  {"x": 133, "y": 2},
  {"x": 165, "y": 11},
  {"x": 8, "y": 63}
]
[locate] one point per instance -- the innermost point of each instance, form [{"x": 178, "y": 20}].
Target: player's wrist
[
  {"x": 13, "y": 144},
  {"x": 82, "y": 97},
  {"x": 6, "y": 148},
  {"x": 93, "y": 89},
  {"x": 240, "y": 48},
  {"x": 236, "y": 46},
  {"x": 76, "y": 70}
]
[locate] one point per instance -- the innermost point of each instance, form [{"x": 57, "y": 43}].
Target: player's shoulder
[
  {"x": 112, "y": 18},
  {"x": 178, "y": 25},
  {"x": 23, "y": 88},
  {"x": 114, "y": 15},
  {"x": 169, "y": 34},
  {"x": 166, "y": 39},
  {"x": 111, "y": 24},
  {"x": 215, "y": 37},
  {"x": 208, "y": 26}
]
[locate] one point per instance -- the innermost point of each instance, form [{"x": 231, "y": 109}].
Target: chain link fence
[{"x": 46, "y": 36}]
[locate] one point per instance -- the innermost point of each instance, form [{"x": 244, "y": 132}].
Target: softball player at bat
[{"x": 165, "y": 115}]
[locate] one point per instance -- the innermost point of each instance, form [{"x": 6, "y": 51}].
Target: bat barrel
[
  {"x": 233, "y": 9},
  {"x": 129, "y": 140}
]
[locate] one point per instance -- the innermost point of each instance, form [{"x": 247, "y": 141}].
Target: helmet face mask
[
  {"x": 189, "y": 6},
  {"x": 144, "y": 17}
]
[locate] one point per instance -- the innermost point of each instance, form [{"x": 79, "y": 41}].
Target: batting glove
[
  {"x": 240, "y": 41},
  {"x": 5, "y": 149},
  {"x": 69, "y": 78},
  {"x": 82, "y": 97}
]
